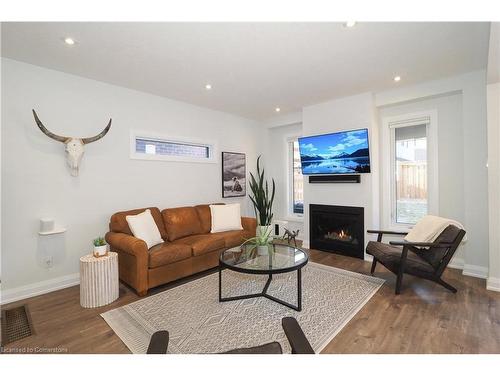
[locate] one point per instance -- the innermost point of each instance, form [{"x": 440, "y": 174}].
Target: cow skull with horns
[{"x": 73, "y": 146}]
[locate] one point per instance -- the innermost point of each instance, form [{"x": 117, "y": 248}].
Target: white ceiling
[{"x": 253, "y": 67}]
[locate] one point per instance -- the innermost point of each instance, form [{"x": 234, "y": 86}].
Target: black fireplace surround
[{"x": 337, "y": 229}]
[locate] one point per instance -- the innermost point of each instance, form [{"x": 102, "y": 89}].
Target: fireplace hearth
[{"x": 337, "y": 229}]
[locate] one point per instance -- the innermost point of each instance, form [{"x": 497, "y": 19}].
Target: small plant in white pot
[
  {"x": 100, "y": 247},
  {"x": 261, "y": 241},
  {"x": 262, "y": 198}
]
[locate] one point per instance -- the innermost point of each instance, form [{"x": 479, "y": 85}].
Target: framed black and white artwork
[{"x": 234, "y": 175}]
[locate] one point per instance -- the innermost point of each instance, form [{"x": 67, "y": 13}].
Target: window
[
  {"x": 410, "y": 172},
  {"x": 296, "y": 180},
  {"x": 156, "y": 148}
]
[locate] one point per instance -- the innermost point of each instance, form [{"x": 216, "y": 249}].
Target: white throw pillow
[
  {"x": 225, "y": 217},
  {"x": 144, "y": 227}
]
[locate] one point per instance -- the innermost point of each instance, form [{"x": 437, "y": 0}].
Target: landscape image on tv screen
[{"x": 337, "y": 153}]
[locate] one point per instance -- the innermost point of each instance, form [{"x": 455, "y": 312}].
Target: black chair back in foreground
[{"x": 296, "y": 337}]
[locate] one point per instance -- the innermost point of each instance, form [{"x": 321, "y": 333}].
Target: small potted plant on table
[
  {"x": 262, "y": 198},
  {"x": 261, "y": 241},
  {"x": 100, "y": 247}
]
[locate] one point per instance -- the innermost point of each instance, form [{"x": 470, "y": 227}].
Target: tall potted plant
[{"x": 262, "y": 200}]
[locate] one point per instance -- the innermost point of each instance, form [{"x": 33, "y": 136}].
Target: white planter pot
[
  {"x": 263, "y": 250},
  {"x": 100, "y": 251}
]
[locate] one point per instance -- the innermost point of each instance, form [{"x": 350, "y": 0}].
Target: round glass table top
[{"x": 272, "y": 258}]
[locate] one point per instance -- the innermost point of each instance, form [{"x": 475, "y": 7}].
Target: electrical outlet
[{"x": 48, "y": 261}]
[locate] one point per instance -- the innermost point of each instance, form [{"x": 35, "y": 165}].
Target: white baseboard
[
  {"x": 469, "y": 269},
  {"x": 36, "y": 289},
  {"x": 493, "y": 283},
  {"x": 475, "y": 271},
  {"x": 457, "y": 263},
  {"x": 305, "y": 243}
]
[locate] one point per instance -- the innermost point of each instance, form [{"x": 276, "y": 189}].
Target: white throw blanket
[{"x": 429, "y": 228}]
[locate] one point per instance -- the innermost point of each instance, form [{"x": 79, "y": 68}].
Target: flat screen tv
[{"x": 336, "y": 153}]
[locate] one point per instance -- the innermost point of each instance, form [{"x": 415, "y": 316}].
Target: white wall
[
  {"x": 461, "y": 105},
  {"x": 0, "y": 166},
  {"x": 494, "y": 184},
  {"x": 493, "y": 100},
  {"x": 36, "y": 182},
  {"x": 472, "y": 87},
  {"x": 283, "y": 120},
  {"x": 277, "y": 167},
  {"x": 450, "y": 152},
  {"x": 352, "y": 112}
]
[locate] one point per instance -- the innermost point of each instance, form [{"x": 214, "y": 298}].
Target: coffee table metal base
[{"x": 264, "y": 292}]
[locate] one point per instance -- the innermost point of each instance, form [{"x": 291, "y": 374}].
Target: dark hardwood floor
[{"x": 425, "y": 318}]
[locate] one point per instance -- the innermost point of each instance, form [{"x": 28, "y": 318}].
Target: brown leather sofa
[{"x": 189, "y": 246}]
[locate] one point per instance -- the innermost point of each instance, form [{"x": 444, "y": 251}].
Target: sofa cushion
[
  {"x": 166, "y": 253},
  {"x": 118, "y": 222},
  {"x": 205, "y": 216},
  {"x": 202, "y": 243},
  {"x": 234, "y": 238},
  {"x": 181, "y": 222}
]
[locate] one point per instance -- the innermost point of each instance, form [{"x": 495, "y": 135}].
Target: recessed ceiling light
[
  {"x": 277, "y": 109},
  {"x": 208, "y": 86},
  {"x": 350, "y": 24},
  {"x": 69, "y": 41},
  {"x": 397, "y": 79}
]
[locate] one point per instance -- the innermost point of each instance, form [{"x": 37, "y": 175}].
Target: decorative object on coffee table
[
  {"x": 278, "y": 259},
  {"x": 98, "y": 280},
  {"x": 100, "y": 247},
  {"x": 291, "y": 236},
  {"x": 281, "y": 241},
  {"x": 279, "y": 227},
  {"x": 234, "y": 181},
  {"x": 262, "y": 200},
  {"x": 261, "y": 241}
]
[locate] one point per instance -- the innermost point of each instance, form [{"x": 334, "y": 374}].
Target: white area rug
[{"x": 198, "y": 323}]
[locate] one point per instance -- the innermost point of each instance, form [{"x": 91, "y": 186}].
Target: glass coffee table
[{"x": 268, "y": 260}]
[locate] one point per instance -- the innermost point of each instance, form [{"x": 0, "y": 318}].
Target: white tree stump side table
[{"x": 98, "y": 280}]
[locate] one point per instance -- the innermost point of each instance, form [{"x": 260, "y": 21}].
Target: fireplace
[{"x": 338, "y": 229}]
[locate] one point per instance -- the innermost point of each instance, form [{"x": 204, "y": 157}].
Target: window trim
[
  {"x": 389, "y": 124},
  {"x": 135, "y": 134},
  {"x": 291, "y": 216}
]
